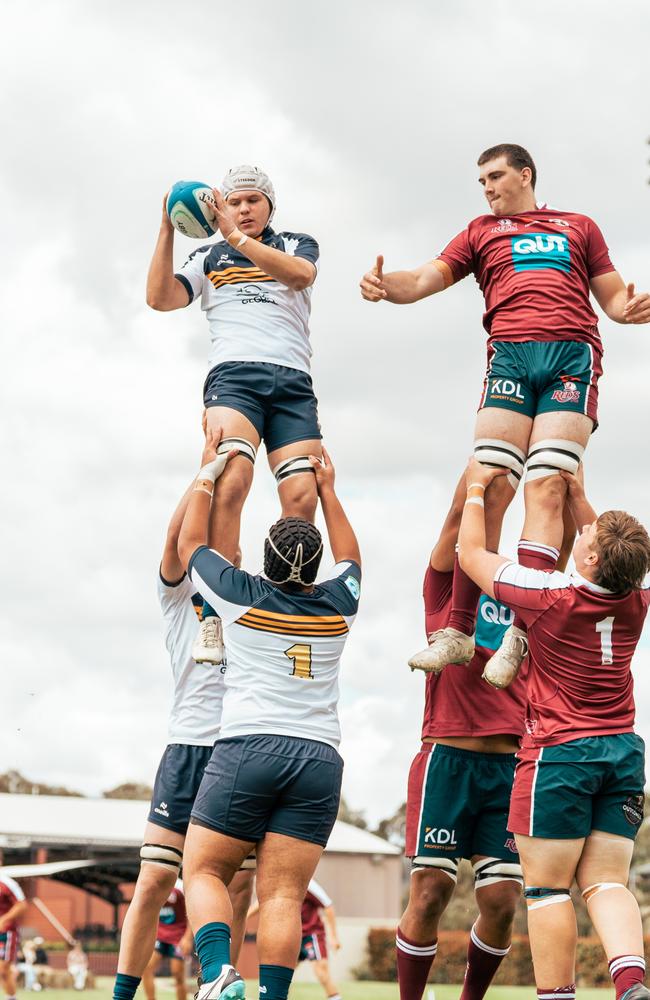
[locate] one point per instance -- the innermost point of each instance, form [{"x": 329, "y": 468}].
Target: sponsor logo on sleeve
[
  {"x": 352, "y": 584},
  {"x": 541, "y": 251}
]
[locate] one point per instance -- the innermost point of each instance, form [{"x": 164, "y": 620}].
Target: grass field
[{"x": 349, "y": 991}]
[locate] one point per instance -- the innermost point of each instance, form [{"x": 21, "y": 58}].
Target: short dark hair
[
  {"x": 293, "y": 551},
  {"x": 623, "y": 548},
  {"x": 517, "y": 157}
]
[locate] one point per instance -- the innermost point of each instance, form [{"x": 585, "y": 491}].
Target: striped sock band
[
  {"x": 626, "y": 971},
  {"x": 423, "y": 951},
  {"x": 486, "y": 947},
  {"x": 559, "y": 993}
]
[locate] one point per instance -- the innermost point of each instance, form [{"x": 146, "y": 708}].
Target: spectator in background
[
  {"x": 12, "y": 907},
  {"x": 77, "y": 963}
]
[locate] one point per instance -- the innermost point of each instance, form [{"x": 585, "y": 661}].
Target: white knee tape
[
  {"x": 492, "y": 452},
  {"x": 447, "y": 865},
  {"x": 492, "y": 870},
  {"x": 292, "y": 467},
  {"x": 245, "y": 448},
  {"x": 547, "y": 458},
  {"x": 161, "y": 854},
  {"x": 597, "y": 887}
]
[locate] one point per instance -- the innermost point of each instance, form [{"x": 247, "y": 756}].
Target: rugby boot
[
  {"x": 228, "y": 986},
  {"x": 208, "y": 645},
  {"x": 503, "y": 666},
  {"x": 636, "y": 992},
  {"x": 447, "y": 645}
]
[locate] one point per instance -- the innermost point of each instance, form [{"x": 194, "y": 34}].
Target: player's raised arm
[
  {"x": 474, "y": 558},
  {"x": 620, "y": 301},
  {"x": 581, "y": 510},
  {"x": 194, "y": 530},
  {"x": 293, "y": 270},
  {"x": 171, "y": 567},
  {"x": 403, "y": 287},
  {"x": 164, "y": 291},
  {"x": 343, "y": 540}
]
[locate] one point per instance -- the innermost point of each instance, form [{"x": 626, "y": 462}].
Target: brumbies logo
[{"x": 537, "y": 251}]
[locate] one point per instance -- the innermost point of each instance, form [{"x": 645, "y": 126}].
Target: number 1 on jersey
[
  {"x": 301, "y": 656},
  {"x": 606, "y": 627}
]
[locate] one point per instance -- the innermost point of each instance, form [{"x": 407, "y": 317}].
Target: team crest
[
  {"x": 506, "y": 226},
  {"x": 569, "y": 394},
  {"x": 510, "y": 845}
]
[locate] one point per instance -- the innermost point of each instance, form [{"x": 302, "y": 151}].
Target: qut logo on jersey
[
  {"x": 541, "y": 250},
  {"x": 497, "y": 614},
  {"x": 491, "y": 622},
  {"x": 439, "y": 837}
]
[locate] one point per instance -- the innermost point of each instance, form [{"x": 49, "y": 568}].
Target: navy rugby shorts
[
  {"x": 177, "y": 781},
  {"x": 278, "y": 401},
  {"x": 263, "y": 783}
]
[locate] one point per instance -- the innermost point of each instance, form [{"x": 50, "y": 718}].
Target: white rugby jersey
[
  {"x": 284, "y": 648},
  {"x": 251, "y": 316},
  {"x": 198, "y": 687}
]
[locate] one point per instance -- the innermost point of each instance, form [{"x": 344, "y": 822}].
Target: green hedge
[{"x": 449, "y": 966}]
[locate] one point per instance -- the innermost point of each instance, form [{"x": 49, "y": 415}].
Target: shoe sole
[
  {"x": 236, "y": 991},
  {"x": 438, "y": 670}
]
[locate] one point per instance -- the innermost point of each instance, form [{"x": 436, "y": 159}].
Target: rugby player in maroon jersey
[
  {"x": 12, "y": 907},
  {"x": 577, "y": 800},
  {"x": 173, "y": 941},
  {"x": 536, "y": 267},
  {"x": 459, "y": 787}
]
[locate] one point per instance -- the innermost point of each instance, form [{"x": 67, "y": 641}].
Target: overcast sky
[{"x": 369, "y": 118}]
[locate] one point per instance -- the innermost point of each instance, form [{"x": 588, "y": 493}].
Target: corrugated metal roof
[{"x": 66, "y": 820}]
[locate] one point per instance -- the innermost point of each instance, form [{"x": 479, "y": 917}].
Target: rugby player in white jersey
[
  {"x": 274, "y": 779},
  {"x": 255, "y": 288},
  {"x": 536, "y": 267},
  {"x": 193, "y": 728}
]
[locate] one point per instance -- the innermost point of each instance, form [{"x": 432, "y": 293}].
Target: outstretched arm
[
  {"x": 171, "y": 568},
  {"x": 581, "y": 510},
  {"x": 403, "y": 287},
  {"x": 343, "y": 541},
  {"x": 619, "y": 300},
  {"x": 194, "y": 530},
  {"x": 330, "y": 920},
  {"x": 475, "y": 560},
  {"x": 164, "y": 291}
]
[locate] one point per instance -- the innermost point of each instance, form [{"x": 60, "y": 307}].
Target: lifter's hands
[
  {"x": 575, "y": 486},
  {"x": 209, "y": 457},
  {"x": 482, "y": 475},
  {"x": 637, "y": 307},
  {"x": 323, "y": 471},
  {"x": 372, "y": 284}
]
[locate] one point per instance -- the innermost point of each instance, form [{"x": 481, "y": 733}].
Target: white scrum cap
[{"x": 244, "y": 177}]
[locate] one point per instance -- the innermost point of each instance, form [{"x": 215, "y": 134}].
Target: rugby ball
[{"x": 190, "y": 207}]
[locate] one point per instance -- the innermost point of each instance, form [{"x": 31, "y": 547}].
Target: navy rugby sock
[
  {"x": 275, "y": 981},
  {"x": 212, "y": 944},
  {"x": 208, "y": 612},
  {"x": 125, "y": 986}
]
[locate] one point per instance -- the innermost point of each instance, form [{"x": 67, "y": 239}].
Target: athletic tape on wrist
[{"x": 479, "y": 501}]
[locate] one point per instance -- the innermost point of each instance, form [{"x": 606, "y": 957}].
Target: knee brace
[
  {"x": 447, "y": 865},
  {"x": 292, "y": 467},
  {"x": 495, "y": 453},
  {"x": 489, "y": 871},
  {"x": 591, "y": 890},
  {"x": 161, "y": 854},
  {"x": 246, "y": 448},
  {"x": 547, "y": 458},
  {"x": 537, "y": 897}
]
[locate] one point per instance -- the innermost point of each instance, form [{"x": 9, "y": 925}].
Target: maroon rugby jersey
[
  {"x": 581, "y": 641},
  {"x": 534, "y": 271},
  {"x": 315, "y": 901},
  {"x": 172, "y": 921},
  {"x": 458, "y": 702},
  {"x": 10, "y": 894}
]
